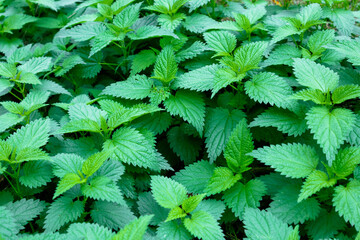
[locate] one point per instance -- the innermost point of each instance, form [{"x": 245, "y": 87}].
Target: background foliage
[{"x": 179, "y": 119}]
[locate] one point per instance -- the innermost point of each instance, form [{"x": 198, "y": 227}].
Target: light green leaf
[
  {"x": 249, "y": 55},
  {"x": 192, "y": 202},
  {"x": 134, "y": 230},
  {"x": 7, "y": 70},
  {"x": 94, "y": 162},
  {"x": 222, "y": 179},
  {"x": 314, "y": 183},
  {"x": 319, "y": 39},
  {"x": 223, "y": 78},
  {"x": 194, "y": 4},
  {"x": 103, "y": 188},
  {"x": 175, "y": 213},
  {"x": 170, "y": 22},
  {"x": 202, "y": 225},
  {"x": 165, "y": 66},
  {"x": 147, "y": 32},
  {"x": 345, "y": 161},
  {"x": 188, "y": 105},
  {"x": 173, "y": 230},
  {"x": 344, "y": 93},
  {"x": 282, "y": 55},
  {"x": 269, "y": 88},
  {"x": 83, "y": 32},
  {"x": 8, "y": 224},
  {"x": 309, "y": 94},
  {"x": 292, "y": 160},
  {"x": 65, "y": 163},
  {"x": 167, "y": 192},
  {"x": 241, "y": 196},
  {"x": 30, "y": 154},
  {"x": 222, "y": 42},
  {"x": 314, "y": 75},
  {"x": 36, "y": 65},
  {"x": 88, "y": 231},
  {"x": 191, "y": 52},
  {"x": 349, "y": 48},
  {"x": 5, "y": 150},
  {"x": 330, "y": 129},
  {"x": 127, "y": 17},
  {"x": 80, "y": 125},
  {"x": 135, "y": 87},
  {"x": 34, "y": 135},
  {"x": 67, "y": 182},
  {"x": 142, "y": 60},
  {"x": 8, "y": 120},
  {"x": 346, "y": 202}
]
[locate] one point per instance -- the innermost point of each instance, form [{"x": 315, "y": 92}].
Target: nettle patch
[{"x": 179, "y": 120}]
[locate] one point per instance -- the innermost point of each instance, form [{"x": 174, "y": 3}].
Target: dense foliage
[{"x": 179, "y": 119}]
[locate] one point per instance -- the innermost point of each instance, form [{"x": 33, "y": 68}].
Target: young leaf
[
  {"x": 203, "y": 225},
  {"x": 314, "y": 183},
  {"x": 175, "y": 213},
  {"x": 192, "y": 202},
  {"x": 222, "y": 179},
  {"x": 241, "y": 196},
  {"x": 239, "y": 144},
  {"x": 67, "y": 182},
  {"x": 127, "y": 17},
  {"x": 345, "y": 161},
  {"x": 165, "y": 66},
  {"x": 319, "y": 39},
  {"x": 134, "y": 230},
  {"x": 94, "y": 162},
  {"x": 292, "y": 160},
  {"x": 314, "y": 75},
  {"x": 222, "y": 42},
  {"x": 248, "y": 56},
  {"x": 344, "y": 93},
  {"x": 330, "y": 129}
]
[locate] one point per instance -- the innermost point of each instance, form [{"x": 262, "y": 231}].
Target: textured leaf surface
[
  {"x": 203, "y": 225},
  {"x": 222, "y": 179},
  {"x": 293, "y": 160},
  {"x": 330, "y": 129}
]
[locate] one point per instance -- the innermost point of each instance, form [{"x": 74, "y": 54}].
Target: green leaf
[
  {"x": 170, "y": 22},
  {"x": 202, "y": 225},
  {"x": 7, "y": 70},
  {"x": 111, "y": 215},
  {"x": 36, "y": 174},
  {"x": 286, "y": 207},
  {"x": 173, "y": 230},
  {"x": 70, "y": 211},
  {"x": 241, "y": 196},
  {"x": 25, "y": 210},
  {"x": 188, "y": 105},
  {"x": 284, "y": 120},
  {"x": 199, "y": 23},
  {"x": 127, "y": 17},
  {"x": 148, "y": 205},
  {"x": 292, "y": 160},
  {"x": 310, "y": 13},
  {"x": 264, "y": 225},
  {"x": 5, "y": 150},
  {"x": 223, "y": 78},
  {"x": 249, "y": 55},
  {"x": 282, "y": 55},
  {"x": 191, "y": 52},
  {"x": 101, "y": 41},
  {"x": 200, "y": 79},
  {"x": 192, "y": 202},
  {"x": 83, "y": 32},
  {"x": 195, "y": 177},
  {"x": 36, "y": 65},
  {"x": 135, "y": 87},
  {"x": 67, "y": 182},
  {"x": 283, "y": 32},
  {"x": 319, "y": 39},
  {"x": 69, "y": 63},
  {"x": 309, "y": 94},
  {"x": 81, "y": 111},
  {"x": 17, "y": 21},
  {"x": 175, "y": 213},
  {"x": 147, "y": 32},
  {"x": 326, "y": 225},
  {"x": 349, "y": 48},
  {"x": 29, "y": 78},
  {"x": 103, "y": 188},
  {"x": 314, "y": 75},
  {"x": 167, "y": 192},
  {"x": 134, "y": 230},
  {"x": 269, "y": 88},
  {"x": 314, "y": 183},
  {"x": 165, "y": 66},
  {"x": 194, "y": 4},
  {"x": 94, "y": 162},
  {"x": 346, "y": 202},
  {"x": 345, "y": 161},
  {"x": 343, "y": 20},
  {"x": 130, "y": 146},
  {"x": 219, "y": 124},
  {"x": 8, "y": 224},
  {"x": 8, "y": 120},
  {"x": 344, "y": 93},
  {"x": 89, "y": 231},
  {"x": 157, "y": 122},
  {"x": 34, "y": 135},
  {"x": 142, "y": 60},
  {"x": 354, "y": 136},
  {"x": 222, "y": 179},
  {"x": 330, "y": 129},
  {"x": 80, "y": 125},
  {"x": 222, "y": 42},
  {"x": 30, "y": 154},
  {"x": 65, "y": 163}
]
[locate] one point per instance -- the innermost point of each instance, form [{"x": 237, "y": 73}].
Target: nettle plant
[{"x": 179, "y": 119}]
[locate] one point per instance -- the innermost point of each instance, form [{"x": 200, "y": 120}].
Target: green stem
[{"x": 15, "y": 96}]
